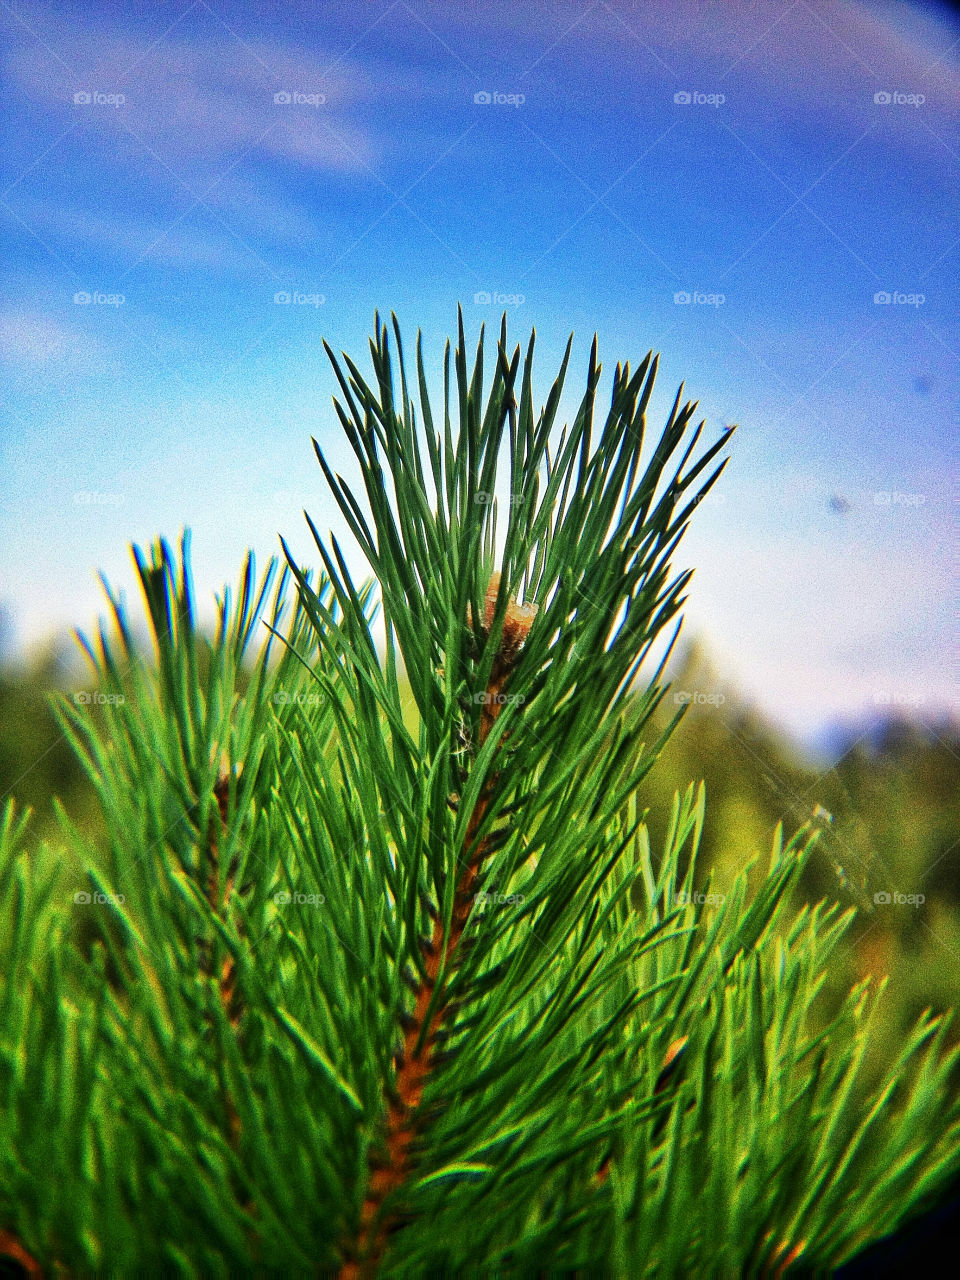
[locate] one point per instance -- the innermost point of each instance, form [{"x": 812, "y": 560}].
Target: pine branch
[
  {"x": 221, "y": 905},
  {"x": 226, "y": 982},
  {"x": 498, "y": 636},
  {"x": 424, "y": 1027},
  {"x": 483, "y": 1025}
]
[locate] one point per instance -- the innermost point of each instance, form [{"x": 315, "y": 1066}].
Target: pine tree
[{"x": 377, "y": 972}]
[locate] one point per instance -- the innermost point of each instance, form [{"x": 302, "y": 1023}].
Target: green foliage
[{"x": 305, "y": 897}]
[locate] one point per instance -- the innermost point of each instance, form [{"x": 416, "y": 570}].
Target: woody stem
[{"x": 414, "y": 1063}]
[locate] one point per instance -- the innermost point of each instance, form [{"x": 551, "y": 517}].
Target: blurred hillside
[
  {"x": 36, "y": 761},
  {"x": 890, "y": 817}
]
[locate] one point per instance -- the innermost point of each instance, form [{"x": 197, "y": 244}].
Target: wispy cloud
[
  {"x": 218, "y": 124},
  {"x": 199, "y": 106},
  {"x": 29, "y": 340}
]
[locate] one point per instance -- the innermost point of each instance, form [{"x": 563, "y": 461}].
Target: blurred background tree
[
  {"x": 36, "y": 761},
  {"x": 891, "y": 811}
]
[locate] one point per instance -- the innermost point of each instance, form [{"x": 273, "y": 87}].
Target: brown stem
[
  {"x": 10, "y": 1247},
  {"x": 421, "y": 1029},
  {"x": 227, "y": 979},
  {"x": 414, "y": 1063}
]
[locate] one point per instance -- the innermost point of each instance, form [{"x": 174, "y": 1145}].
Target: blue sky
[{"x": 149, "y": 166}]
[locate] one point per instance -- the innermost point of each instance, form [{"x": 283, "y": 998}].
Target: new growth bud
[{"x": 516, "y": 623}]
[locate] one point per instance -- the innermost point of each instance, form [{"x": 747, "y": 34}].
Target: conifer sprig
[
  {"x": 353, "y": 985},
  {"x": 550, "y": 677}
]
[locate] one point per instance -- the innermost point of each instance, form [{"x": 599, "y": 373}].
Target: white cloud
[
  {"x": 199, "y": 122},
  {"x": 28, "y": 339},
  {"x": 200, "y": 105}
]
